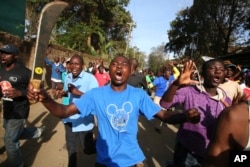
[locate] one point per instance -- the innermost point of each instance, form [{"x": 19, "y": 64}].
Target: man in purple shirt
[{"x": 207, "y": 98}]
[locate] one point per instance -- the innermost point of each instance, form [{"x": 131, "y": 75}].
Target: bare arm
[
  {"x": 55, "y": 108},
  {"x": 170, "y": 117},
  {"x": 72, "y": 89},
  {"x": 230, "y": 135},
  {"x": 183, "y": 80}
]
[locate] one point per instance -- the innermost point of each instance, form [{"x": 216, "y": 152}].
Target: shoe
[{"x": 41, "y": 130}]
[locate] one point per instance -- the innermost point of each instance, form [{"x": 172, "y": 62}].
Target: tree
[
  {"x": 157, "y": 58},
  {"x": 212, "y": 25},
  {"x": 90, "y": 26}
]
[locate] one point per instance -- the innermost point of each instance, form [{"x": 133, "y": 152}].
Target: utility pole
[{"x": 129, "y": 36}]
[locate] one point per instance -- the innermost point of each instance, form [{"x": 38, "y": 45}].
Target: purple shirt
[{"x": 195, "y": 137}]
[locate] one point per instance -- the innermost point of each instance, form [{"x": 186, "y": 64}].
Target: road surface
[{"x": 50, "y": 150}]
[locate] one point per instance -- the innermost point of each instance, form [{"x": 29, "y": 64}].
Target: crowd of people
[{"x": 112, "y": 99}]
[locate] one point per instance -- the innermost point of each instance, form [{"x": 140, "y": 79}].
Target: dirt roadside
[{"x": 49, "y": 151}]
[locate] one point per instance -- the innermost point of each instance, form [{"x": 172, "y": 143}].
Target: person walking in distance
[
  {"x": 137, "y": 79},
  {"x": 162, "y": 83},
  {"x": 117, "y": 107},
  {"x": 102, "y": 76},
  {"x": 78, "y": 129},
  {"x": 57, "y": 69},
  {"x": 15, "y": 77}
]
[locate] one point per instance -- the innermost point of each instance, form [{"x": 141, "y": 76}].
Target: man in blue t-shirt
[
  {"x": 117, "y": 107},
  {"x": 57, "y": 69}
]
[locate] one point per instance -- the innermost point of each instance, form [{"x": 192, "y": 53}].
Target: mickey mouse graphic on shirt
[{"x": 119, "y": 116}]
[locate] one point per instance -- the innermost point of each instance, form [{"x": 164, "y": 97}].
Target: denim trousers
[
  {"x": 14, "y": 131},
  {"x": 183, "y": 158}
]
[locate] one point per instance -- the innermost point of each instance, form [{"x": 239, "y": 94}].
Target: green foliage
[
  {"x": 209, "y": 28},
  {"x": 74, "y": 37},
  {"x": 157, "y": 58},
  {"x": 98, "y": 27}
]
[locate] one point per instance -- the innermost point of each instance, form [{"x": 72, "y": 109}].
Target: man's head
[
  {"x": 62, "y": 59},
  {"x": 9, "y": 54},
  {"x": 167, "y": 71},
  {"x": 119, "y": 70},
  {"x": 9, "y": 48},
  {"x": 101, "y": 69},
  {"x": 134, "y": 64},
  {"x": 213, "y": 72},
  {"x": 56, "y": 59},
  {"x": 68, "y": 65},
  {"x": 76, "y": 65},
  {"x": 230, "y": 69}
]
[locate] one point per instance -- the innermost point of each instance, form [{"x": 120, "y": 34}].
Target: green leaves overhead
[
  {"x": 103, "y": 20},
  {"x": 212, "y": 26}
]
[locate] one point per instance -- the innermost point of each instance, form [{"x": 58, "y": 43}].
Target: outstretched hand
[
  {"x": 193, "y": 115},
  {"x": 186, "y": 75}
]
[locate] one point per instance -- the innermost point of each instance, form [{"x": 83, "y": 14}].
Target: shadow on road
[{"x": 31, "y": 147}]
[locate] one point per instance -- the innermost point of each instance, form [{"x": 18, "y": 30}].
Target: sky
[{"x": 152, "y": 19}]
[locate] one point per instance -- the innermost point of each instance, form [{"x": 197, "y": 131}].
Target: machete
[{"x": 47, "y": 21}]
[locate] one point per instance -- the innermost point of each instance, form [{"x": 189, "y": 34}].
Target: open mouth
[
  {"x": 217, "y": 79},
  {"x": 74, "y": 72},
  {"x": 118, "y": 75}
]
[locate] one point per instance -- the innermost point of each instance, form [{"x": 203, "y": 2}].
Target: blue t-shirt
[
  {"x": 162, "y": 84},
  {"x": 56, "y": 70},
  {"x": 117, "y": 114}
]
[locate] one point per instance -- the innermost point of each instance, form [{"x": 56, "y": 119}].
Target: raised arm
[{"x": 183, "y": 80}]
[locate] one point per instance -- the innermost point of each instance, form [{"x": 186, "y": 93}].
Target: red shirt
[
  {"x": 102, "y": 79},
  {"x": 247, "y": 92}
]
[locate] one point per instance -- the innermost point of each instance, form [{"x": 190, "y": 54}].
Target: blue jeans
[
  {"x": 14, "y": 131},
  {"x": 183, "y": 158}
]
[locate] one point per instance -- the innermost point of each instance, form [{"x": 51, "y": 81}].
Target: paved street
[{"x": 50, "y": 150}]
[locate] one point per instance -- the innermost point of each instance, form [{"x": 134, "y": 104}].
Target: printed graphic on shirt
[
  {"x": 119, "y": 116},
  {"x": 5, "y": 85}
]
